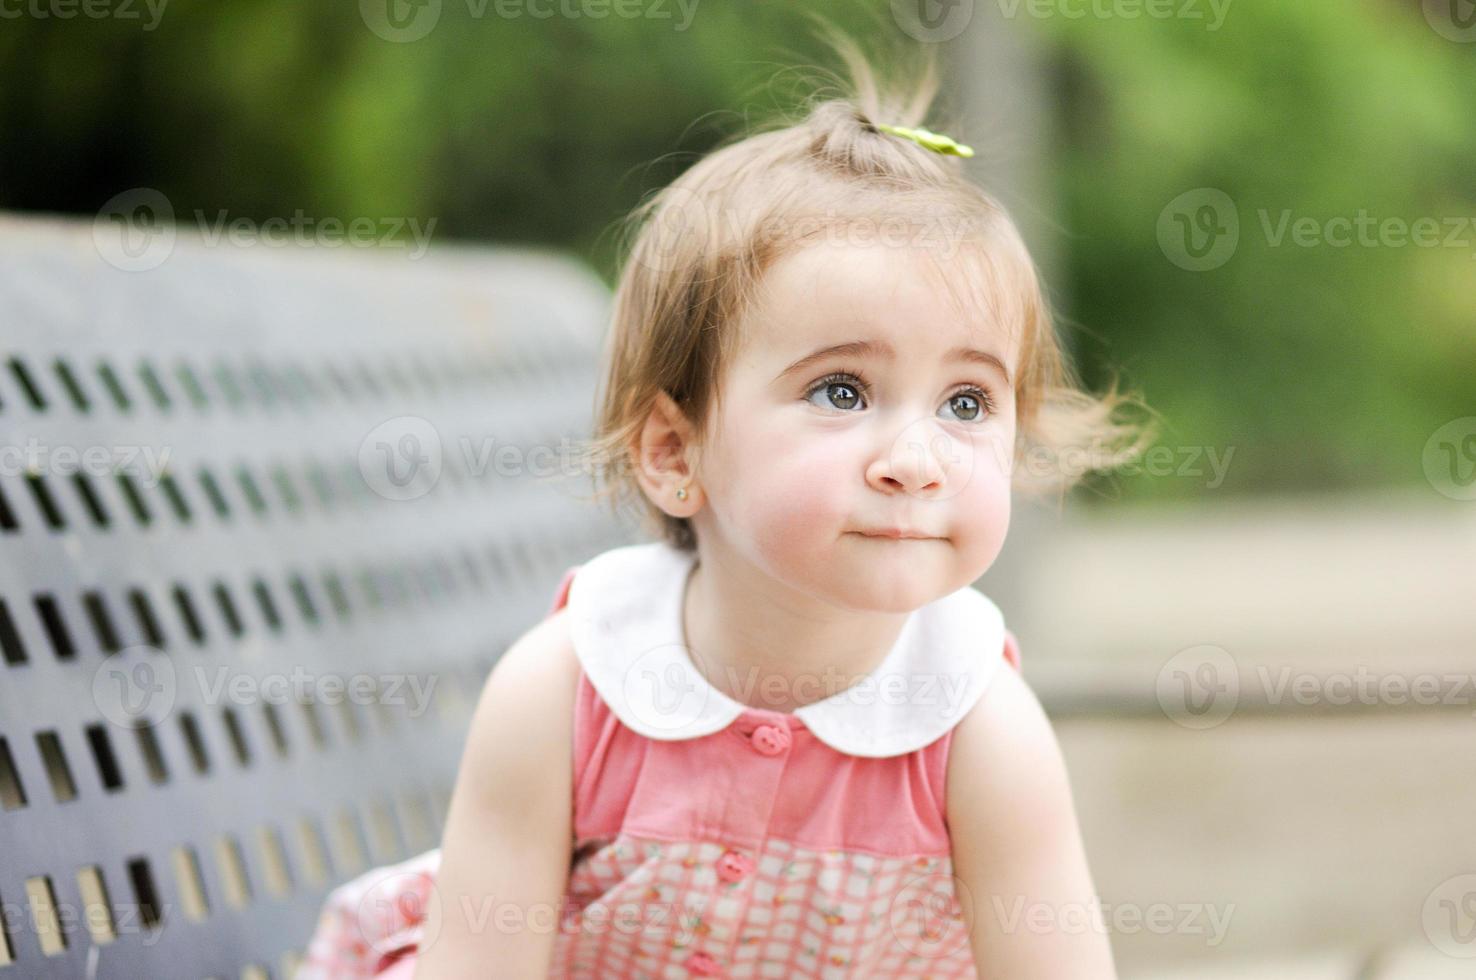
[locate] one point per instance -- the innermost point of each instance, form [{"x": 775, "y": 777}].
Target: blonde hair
[{"x": 702, "y": 244}]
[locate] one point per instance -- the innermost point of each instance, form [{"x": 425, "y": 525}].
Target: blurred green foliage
[
  {"x": 519, "y": 129},
  {"x": 1325, "y": 366},
  {"x": 1322, "y": 366}
]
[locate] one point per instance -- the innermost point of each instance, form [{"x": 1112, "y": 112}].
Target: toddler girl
[{"x": 786, "y": 738}]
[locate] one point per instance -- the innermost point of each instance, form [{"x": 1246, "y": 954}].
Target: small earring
[{"x": 681, "y": 493}]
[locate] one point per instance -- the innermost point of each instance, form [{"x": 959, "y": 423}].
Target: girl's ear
[{"x": 664, "y": 451}]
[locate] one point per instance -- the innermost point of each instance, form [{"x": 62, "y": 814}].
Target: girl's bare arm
[
  {"x": 506, "y": 847},
  {"x": 1025, "y": 886}
]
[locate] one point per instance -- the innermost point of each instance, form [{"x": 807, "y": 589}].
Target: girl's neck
[{"x": 766, "y": 646}]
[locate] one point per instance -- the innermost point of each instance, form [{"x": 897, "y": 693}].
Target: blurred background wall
[{"x": 1259, "y": 214}]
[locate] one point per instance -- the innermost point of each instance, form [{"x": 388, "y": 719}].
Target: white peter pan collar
[{"x": 625, "y": 614}]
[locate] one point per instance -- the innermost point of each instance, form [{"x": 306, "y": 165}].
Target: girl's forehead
[{"x": 913, "y": 299}]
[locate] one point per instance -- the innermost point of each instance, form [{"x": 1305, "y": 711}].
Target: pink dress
[{"x": 712, "y": 838}]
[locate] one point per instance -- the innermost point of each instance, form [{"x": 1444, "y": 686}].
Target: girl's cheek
[
  {"x": 983, "y": 508},
  {"x": 800, "y": 491},
  {"x": 791, "y": 488}
]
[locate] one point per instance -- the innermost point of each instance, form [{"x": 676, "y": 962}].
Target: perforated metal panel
[{"x": 178, "y": 791}]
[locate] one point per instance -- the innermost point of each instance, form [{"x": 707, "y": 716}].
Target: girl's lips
[{"x": 896, "y": 534}]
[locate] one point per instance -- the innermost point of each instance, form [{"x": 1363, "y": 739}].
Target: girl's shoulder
[
  {"x": 537, "y": 676},
  {"x": 539, "y": 670}
]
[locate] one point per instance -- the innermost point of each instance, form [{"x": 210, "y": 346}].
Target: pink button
[
  {"x": 733, "y": 866},
  {"x": 704, "y": 965},
  {"x": 770, "y": 739}
]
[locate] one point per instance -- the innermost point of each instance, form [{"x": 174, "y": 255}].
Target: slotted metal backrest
[{"x": 267, "y": 518}]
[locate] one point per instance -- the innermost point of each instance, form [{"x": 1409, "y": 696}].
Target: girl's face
[{"x": 861, "y": 406}]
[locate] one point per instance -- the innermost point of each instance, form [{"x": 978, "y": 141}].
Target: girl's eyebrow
[{"x": 880, "y": 348}]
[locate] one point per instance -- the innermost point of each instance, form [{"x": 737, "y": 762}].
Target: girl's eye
[
  {"x": 970, "y": 404},
  {"x": 842, "y": 391},
  {"x": 847, "y": 392}
]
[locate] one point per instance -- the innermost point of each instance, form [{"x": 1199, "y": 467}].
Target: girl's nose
[{"x": 915, "y": 462}]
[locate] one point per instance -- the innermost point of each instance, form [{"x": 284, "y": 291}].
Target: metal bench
[{"x": 267, "y": 518}]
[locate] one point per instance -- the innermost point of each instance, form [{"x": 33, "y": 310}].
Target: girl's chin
[{"x": 899, "y": 591}]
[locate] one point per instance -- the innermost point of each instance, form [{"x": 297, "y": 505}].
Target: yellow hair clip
[{"x": 936, "y": 142}]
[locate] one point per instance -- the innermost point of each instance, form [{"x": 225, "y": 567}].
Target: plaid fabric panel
[{"x": 662, "y": 910}]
